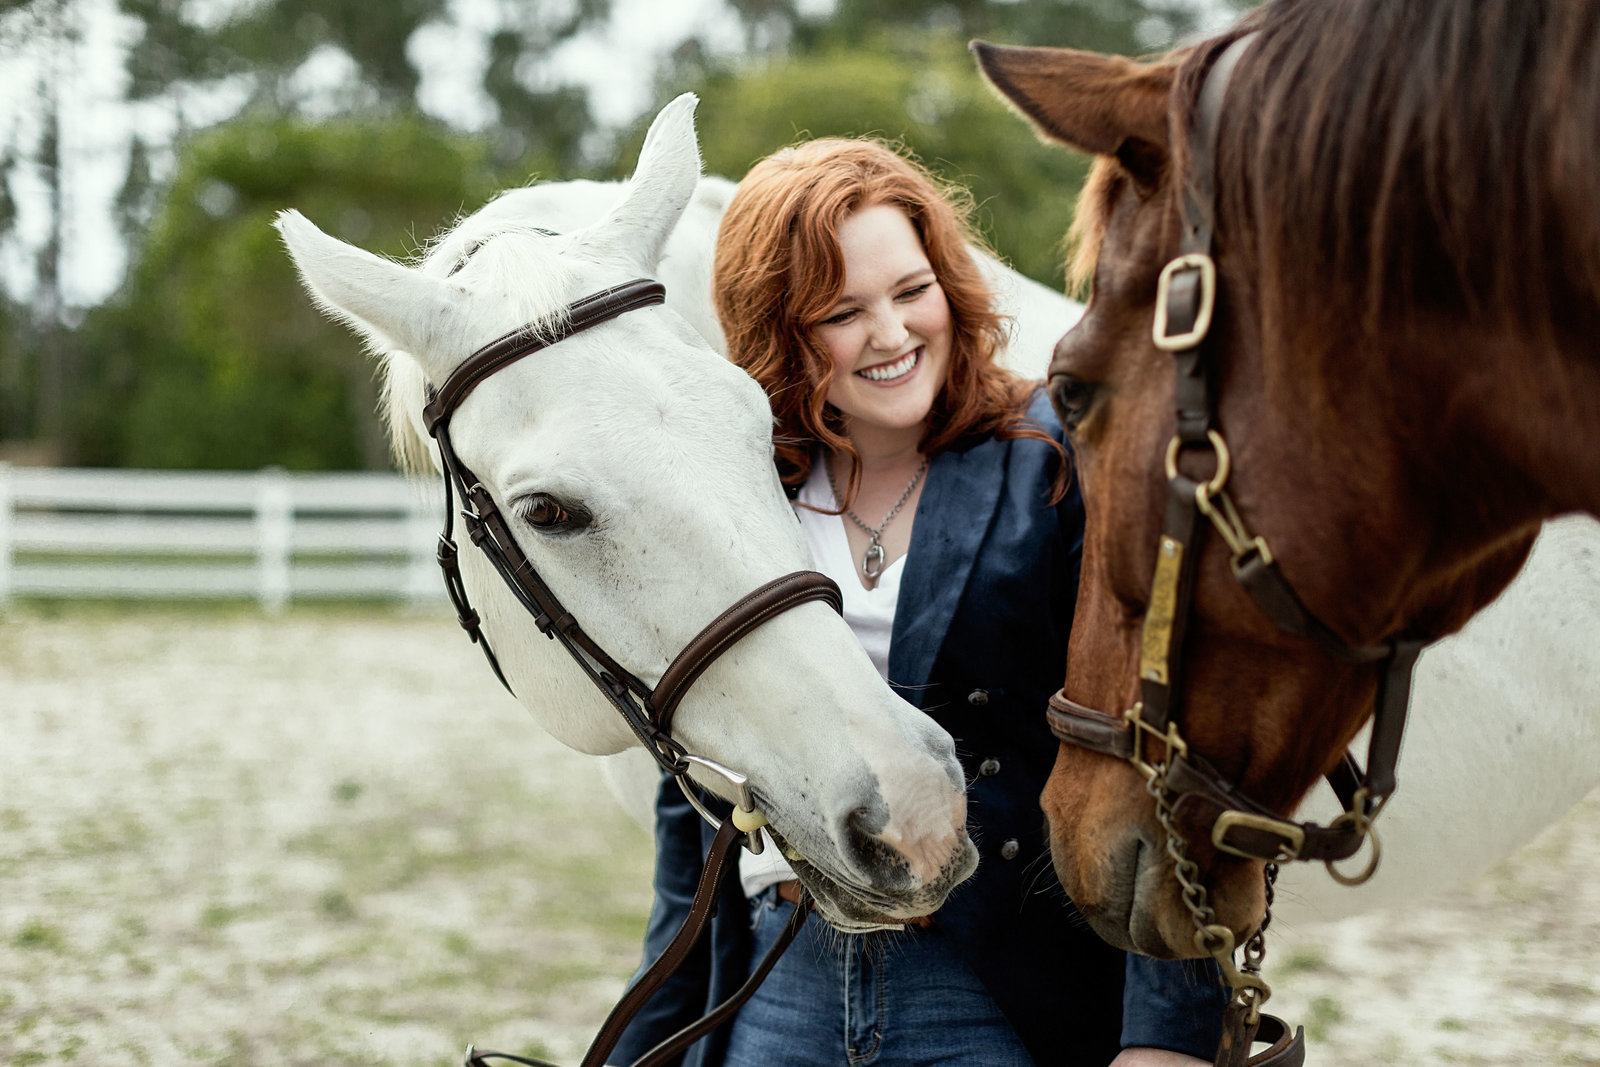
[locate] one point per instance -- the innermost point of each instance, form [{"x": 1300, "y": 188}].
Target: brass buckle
[
  {"x": 1208, "y": 301},
  {"x": 1293, "y": 837},
  {"x": 1172, "y": 738}
]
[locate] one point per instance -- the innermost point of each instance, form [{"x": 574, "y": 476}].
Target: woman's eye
[
  {"x": 1071, "y": 397},
  {"x": 839, "y": 319},
  {"x": 916, "y": 291},
  {"x": 544, "y": 512}
]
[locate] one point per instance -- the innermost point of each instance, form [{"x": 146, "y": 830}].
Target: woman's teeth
[{"x": 888, "y": 372}]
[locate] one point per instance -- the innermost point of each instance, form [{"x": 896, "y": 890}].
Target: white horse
[
  {"x": 666, "y": 449},
  {"x": 1504, "y": 731}
]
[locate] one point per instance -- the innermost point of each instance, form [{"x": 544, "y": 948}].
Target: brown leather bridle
[
  {"x": 647, "y": 711},
  {"x": 1189, "y": 792}
]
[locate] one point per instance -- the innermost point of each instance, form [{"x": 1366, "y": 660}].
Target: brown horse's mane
[
  {"x": 1406, "y": 155},
  {"x": 1088, "y": 230},
  {"x": 1422, "y": 155}
]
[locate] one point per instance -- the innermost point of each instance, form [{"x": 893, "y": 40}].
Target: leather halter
[
  {"x": 1190, "y": 794},
  {"x": 647, "y": 711}
]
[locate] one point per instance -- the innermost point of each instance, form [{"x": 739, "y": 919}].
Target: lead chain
[{"x": 1249, "y": 989}]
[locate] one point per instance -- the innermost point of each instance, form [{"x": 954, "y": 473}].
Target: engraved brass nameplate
[{"x": 1156, "y": 640}]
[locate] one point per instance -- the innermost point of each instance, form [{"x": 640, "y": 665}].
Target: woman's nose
[{"x": 889, "y": 331}]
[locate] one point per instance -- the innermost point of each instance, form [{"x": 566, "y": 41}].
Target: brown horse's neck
[{"x": 1515, "y": 419}]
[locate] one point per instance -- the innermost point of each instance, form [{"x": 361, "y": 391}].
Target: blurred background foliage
[{"x": 208, "y": 355}]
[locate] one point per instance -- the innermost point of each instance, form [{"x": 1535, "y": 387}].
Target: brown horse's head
[{"x": 1382, "y": 442}]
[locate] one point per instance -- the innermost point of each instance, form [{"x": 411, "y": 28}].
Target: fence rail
[{"x": 272, "y": 536}]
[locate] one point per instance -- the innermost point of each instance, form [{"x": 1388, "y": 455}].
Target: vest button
[
  {"x": 1009, "y": 850},
  {"x": 978, "y": 697},
  {"x": 989, "y": 768}
]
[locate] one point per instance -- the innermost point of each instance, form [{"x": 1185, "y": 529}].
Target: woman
[{"x": 923, "y": 475}]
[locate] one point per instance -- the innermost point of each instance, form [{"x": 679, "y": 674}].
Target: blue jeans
[{"x": 886, "y": 999}]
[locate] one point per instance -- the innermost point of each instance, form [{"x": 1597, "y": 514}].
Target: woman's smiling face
[{"x": 889, "y": 333}]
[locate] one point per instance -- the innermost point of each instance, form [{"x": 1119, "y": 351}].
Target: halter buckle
[
  {"x": 1170, "y": 737},
  {"x": 1205, "y": 301},
  {"x": 1292, "y": 838}
]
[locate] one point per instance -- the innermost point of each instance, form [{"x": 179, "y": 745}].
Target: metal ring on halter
[
  {"x": 746, "y": 816},
  {"x": 1363, "y": 876},
  {"x": 1218, "y": 446}
]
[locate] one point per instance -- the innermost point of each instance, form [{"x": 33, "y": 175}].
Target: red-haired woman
[{"x": 931, "y": 484}]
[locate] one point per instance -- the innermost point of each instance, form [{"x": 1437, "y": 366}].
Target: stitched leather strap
[
  {"x": 679, "y": 1042},
  {"x": 1096, "y": 731},
  {"x": 723, "y": 847},
  {"x": 773, "y": 598},
  {"x": 525, "y": 340}
]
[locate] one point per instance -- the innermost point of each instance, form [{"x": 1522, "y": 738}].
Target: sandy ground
[{"x": 331, "y": 838}]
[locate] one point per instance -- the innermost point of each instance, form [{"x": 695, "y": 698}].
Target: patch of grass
[
  {"x": 1452, "y": 1025},
  {"x": 1565, "y": 991},
  {"x": 336, "y": 904},
  {"x": 217, "y": 916},
  {"x": 1305, "y": 959},
  {"x": 347, "y": 791},
  {"x": 41, "y": 936},
  {"x": 108, "y": 832},
  {"x": 1325, "y": 1014}
]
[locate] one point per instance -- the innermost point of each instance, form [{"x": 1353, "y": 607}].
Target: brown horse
[{"x": 1400, "y": 382}]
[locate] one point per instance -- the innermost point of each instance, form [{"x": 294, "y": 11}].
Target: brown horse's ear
[{"x": 1107, "y": 105}]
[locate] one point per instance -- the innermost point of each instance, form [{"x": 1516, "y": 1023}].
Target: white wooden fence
[{"x": 271, "y": 536}]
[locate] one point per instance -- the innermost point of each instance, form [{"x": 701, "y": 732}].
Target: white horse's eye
[{"x": 544, "y": 512}]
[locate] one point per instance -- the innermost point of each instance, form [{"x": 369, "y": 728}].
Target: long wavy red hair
[{"x": 779, "y": 271}]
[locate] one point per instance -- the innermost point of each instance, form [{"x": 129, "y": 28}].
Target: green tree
[
  {"x": 180, "y": 53},
  {"x": 1124, "y": 26},
  {"x": 900, "y": 70},
  {"x": 212, "y": 356},
  {"x": 918, "y": 90}
]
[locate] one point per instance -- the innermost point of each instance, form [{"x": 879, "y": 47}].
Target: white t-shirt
[{"x": 869, "y": 613}]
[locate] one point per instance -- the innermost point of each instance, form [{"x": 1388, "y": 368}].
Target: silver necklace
[{"x": 872, "y": 559}]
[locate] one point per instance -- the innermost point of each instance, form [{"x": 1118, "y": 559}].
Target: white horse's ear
[
  {"x": 662, "y": 184},
  {"x": 391, "y": 306}
]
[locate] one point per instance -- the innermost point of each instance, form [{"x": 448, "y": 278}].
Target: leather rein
[
  {"x": 1189, "y": 792},
  {"x": 647, "y": 710}
]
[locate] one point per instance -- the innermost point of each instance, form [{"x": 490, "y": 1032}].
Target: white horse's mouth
[{"x": 847, "y": 903}]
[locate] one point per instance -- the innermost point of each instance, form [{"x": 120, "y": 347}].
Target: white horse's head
[{"x": 666, "y": 449}]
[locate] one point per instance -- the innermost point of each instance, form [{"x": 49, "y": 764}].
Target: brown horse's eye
[
  {"x": 1071, "y": 397},
  {"x": 544, "y": 512}
]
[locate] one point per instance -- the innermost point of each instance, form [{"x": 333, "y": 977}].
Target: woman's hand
[{"x": 1155, "y": 1057}]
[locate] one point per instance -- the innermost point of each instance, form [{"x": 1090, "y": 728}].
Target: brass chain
[{"x": 1250, "y": 990}]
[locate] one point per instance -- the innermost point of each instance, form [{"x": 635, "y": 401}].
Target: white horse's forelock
[
  {"x": 507, "y": 256},
  {"x": 564, "y": 207}
]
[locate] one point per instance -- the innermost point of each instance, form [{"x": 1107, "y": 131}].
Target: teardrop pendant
[{"x": 872, "y": 560}]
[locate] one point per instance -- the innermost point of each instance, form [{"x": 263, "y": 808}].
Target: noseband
[
  {"x": 647, "y": 711},
  {"x": 1189, "y": 792}
]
